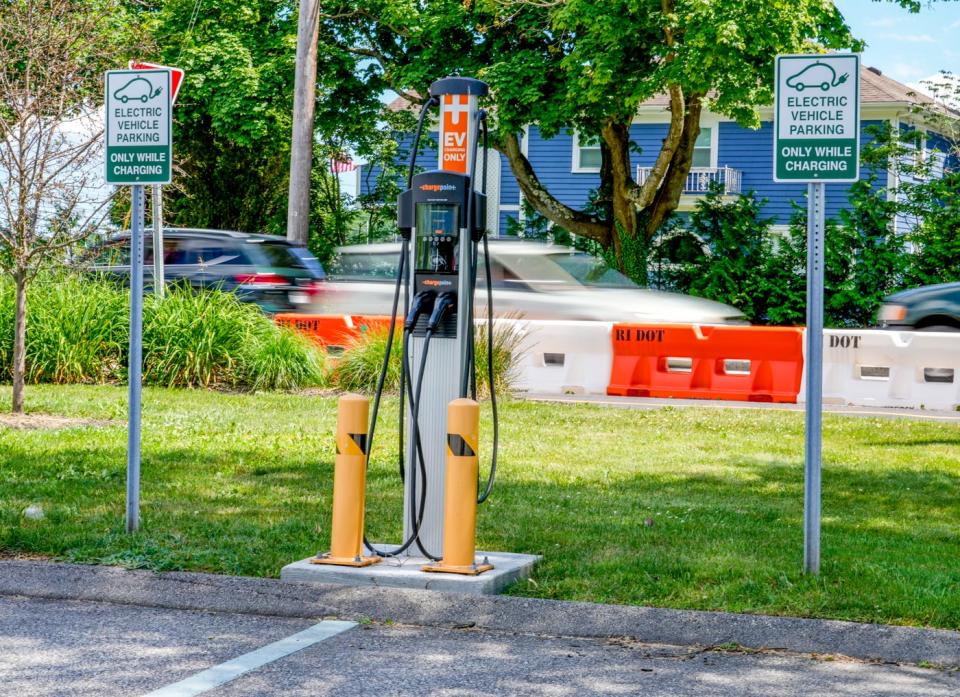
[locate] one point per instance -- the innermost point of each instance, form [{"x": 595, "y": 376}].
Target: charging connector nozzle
[
  {"x": 444, "y": 304},
  {"x": 422, "y": 303}
]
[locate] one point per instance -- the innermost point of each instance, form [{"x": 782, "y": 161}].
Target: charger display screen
[{"x": 438, "y": 238}]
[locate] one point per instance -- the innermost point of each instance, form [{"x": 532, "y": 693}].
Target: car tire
[{"x": 939, "y": 328}]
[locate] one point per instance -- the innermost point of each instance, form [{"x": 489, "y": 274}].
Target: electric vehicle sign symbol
[{"x": 816, "y": 75}]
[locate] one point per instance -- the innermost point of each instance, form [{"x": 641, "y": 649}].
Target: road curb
[{"x": 233, "y": 594}]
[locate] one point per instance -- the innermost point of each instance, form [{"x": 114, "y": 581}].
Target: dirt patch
[
  {"x": 320, "y": 392},
  {"x": 48, "y": 422},
  {"x": 14, "y": 555}
]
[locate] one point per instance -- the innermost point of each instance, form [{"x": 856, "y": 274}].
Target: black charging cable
[
  {"x": 422, "y": 303},
  {"x": 401, "y": 283}
]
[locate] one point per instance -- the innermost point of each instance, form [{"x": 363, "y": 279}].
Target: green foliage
[
  {"x": 875, "y": 253},
  {"x": 742, "y": 263},
  {"x": 506, "y": 357},
  {"x": 281, "y": 358},
  {"x": 78, "y": 332},
  {"x": 232, "y": 119},
  {"x": 936, "y": 239},
  {"x": 331, "y": 215},
  {"x": 358, "y": 369}
]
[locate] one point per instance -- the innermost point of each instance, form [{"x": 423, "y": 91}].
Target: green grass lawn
[{"x": 241, "y": 484}]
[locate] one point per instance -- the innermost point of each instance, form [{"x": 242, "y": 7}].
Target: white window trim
[
  {"x": 710, "y": 121},
  {"x": 576, "y": 168},
  {"x": 713, "y": 124}
]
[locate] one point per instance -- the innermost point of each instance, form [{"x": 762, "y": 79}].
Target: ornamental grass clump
[
  {"x": 282, "y": 359},
  {"x": 358, "y": 368},
  {"x": 78, "y": 332}
]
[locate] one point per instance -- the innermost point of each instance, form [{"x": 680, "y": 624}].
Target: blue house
[{"x": 737, "y": 159}]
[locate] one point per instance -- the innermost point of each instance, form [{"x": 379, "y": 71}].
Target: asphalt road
[{"x": 73, "y": 647}]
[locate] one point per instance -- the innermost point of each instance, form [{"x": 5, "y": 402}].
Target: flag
[{"x": 337, "y": 166}]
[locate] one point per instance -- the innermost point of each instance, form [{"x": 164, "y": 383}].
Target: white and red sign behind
[{"x": 176, "y": 75}]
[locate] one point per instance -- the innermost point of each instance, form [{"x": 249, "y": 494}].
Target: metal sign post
[
  {"x": 816, "y": 140},
  {"x": 814, "y": 420},
  {"x": 138, "y": 151},
  {"x": 157, "y": 220},
  {"x": 134, "y": 376}
]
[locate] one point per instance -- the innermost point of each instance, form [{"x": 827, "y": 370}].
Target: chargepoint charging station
[{"x": 442, "y": 227}]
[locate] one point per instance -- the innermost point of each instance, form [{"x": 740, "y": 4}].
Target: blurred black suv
[
  {"x": 263, "y": 269},
  {"x": 926, "y": 309}
]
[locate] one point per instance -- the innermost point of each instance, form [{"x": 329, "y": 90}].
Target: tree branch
[{"x": 543, "y": 201}]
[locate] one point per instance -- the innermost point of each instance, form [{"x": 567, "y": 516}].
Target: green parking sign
[
  {"x": 139, "y": 146},
  {"x": 817, "y": 118}
]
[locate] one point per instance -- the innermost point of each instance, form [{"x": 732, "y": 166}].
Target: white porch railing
[{"x": 701, "y": 179}]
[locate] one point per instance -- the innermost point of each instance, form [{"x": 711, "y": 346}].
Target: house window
[
  {"x": 703, "y": 148},
  {"x": 586, "y": 153}
]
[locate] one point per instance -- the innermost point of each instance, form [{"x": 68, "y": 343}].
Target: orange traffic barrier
[
  {"x": 331, "y": 330},
  {"x": 755, "y": 364}
]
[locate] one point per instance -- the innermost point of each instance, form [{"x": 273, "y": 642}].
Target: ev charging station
[
  {"x": 441, "y": 224},
  {"x": 442, "y": 212}
]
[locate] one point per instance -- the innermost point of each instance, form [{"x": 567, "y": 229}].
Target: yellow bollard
[
  {"x": 349, "y": 483},
  {"x": 460, "y": 495}
]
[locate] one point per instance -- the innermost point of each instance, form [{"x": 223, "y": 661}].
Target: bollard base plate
[
  {"x": 469, "y": 570},
  {"x": 345, "y": 561}
]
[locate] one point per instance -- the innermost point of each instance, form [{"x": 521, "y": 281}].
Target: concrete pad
[{"x": 404, "y": 572}]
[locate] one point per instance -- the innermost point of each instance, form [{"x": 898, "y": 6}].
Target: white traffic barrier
[
  {"x": 560, "y": 357},
  {"x": 918, "y": 370}
]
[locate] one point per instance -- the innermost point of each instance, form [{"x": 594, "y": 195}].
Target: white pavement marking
[{"x": 225, "y": 672}]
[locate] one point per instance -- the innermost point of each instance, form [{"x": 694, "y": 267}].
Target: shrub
[
  {"x": 78, "y": 331},
  {"x": 282, "y": 359},
  {"x": 195, "y": 339},
  {"x": 506, "y": 356},
  {"x": 358, "y": 369}
]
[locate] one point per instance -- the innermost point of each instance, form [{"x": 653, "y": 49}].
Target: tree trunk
[{"x": 19, "y": 341}]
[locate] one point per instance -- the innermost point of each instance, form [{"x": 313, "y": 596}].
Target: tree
[
  {"x": 52, "y": 57},
  {"x": 931, "y": 195},
  {"x": 233, "y": 116},
  {"x": 582, "y": 64}
]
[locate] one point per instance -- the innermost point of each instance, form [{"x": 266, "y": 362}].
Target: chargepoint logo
[{"x": 437, "y": 187}]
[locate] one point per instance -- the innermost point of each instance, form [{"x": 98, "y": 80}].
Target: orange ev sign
[{"x": 454, "y": 132}]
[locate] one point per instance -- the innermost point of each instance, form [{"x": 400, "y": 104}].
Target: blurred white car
[{"x": 532, "y": 280}]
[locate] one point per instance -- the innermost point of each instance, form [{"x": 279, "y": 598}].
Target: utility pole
[{"x": 301, "y": 145}]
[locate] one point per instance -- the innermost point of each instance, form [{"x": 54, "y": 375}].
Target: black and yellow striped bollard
[
  {"x": 460, "y": 494},
  {"x": 349, "y": 484}
]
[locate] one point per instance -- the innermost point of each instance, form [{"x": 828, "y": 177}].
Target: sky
[{"x": 907, "y": 47}]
